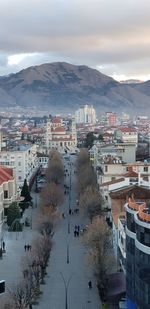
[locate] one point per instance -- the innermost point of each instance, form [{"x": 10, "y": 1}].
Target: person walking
[
  {"x": 3, "y": 245},
  {"x": 25, "y": 247},
  {"x": 90, "y": 284}
]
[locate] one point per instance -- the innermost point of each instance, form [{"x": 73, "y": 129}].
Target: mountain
[
  {"x": 131, "y": 81},
  {"x": 62, "y": 87}
]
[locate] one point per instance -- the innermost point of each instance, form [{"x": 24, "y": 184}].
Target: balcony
[
  {"x": 136, "y": 205},
  {"x": 144, "y": 215},
  {"x": 141, "y": 208}
]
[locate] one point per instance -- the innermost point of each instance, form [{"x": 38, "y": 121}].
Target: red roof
[
  {"x": 24, "y": 129},
  {"x": 131, "y": 174},
  {"x": 128, "y": 130},
  {"x": 56, "y": 120},
  {"x": 111, "y": 182},
  {"x": 5, "y": 174},
  {"x": 55, "y": 139},
  {"x": 59, "y": 129}
]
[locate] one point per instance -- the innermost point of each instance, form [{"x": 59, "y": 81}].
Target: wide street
[
  {"x": 68, "y": 271},
  {"x": 72, "y": 264}
]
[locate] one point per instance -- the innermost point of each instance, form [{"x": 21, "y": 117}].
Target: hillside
[{"x": 64, "y": 87}]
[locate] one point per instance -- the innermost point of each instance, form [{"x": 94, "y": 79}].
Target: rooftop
[{"x": 6, "y": 174}]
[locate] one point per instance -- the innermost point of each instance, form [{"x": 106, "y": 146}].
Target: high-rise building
[
  {"x": 85, "y": 114},
  {"x": 111, "y": 118},
  {"x": 138, "y": 254}
]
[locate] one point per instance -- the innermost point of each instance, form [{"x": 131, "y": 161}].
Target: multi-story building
[
  {"x": 126, "y": 135},
  {"x": 85, "y": 114},
  {"x": 138, "y": 254},
  {"x": 23, "y": 160},
  {"x": 111, "y": 118},
  {"x": 8, "y": 192},
  {"x": 60, "y": 138}
]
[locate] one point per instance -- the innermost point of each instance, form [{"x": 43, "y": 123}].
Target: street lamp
[
  {"x": 68, "y": 226},
  {"x": 68, "y": 255},
  {"x": 66, "y": 285}
]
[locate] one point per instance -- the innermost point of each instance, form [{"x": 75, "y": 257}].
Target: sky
[{"x": 112, "y": 36}]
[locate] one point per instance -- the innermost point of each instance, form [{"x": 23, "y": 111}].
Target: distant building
[
  {"x": 59, "y": 137},
  {"x": 126, "y": 135},
  {"x": 111, "y": 118},
  {"x": 85, "y": 114}
]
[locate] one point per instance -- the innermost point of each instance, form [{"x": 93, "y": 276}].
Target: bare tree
[
  {"x": 51, "y": 196},
  {"x": 83, "y": 159},
  {"x": 98, "y": 238},
  {"x": 55, "y": 170},
  {"x": 86, "y": 177},
  {"x": 90, "y": 202},
  {"x": 21, "y": 294}
]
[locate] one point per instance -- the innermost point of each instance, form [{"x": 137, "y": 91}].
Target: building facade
[
  {"x": 60, "y": 138},
  {"x": 23, "y": 160},
  {"x": 8, "y": 192},
  {"x": 85, "y": 114},
  {"x": 137, "y": 254}
]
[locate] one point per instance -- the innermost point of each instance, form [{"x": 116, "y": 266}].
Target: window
[
  {"x": 19, "y": 163},
  {"x": 145, "y": 169},
  {"x": 5, "y": 194},
  {"x": 19, "y": 178},
  {"x": 106, "y": 168}
]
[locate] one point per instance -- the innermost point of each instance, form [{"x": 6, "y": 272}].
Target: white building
[
  {"x": 23, "y": 160},
  {"x": 60, "y": 138},
  {"x": 8, "y": 192},
  {"x": 85, "y": 114},
  {"x": 127, "y": 135}
]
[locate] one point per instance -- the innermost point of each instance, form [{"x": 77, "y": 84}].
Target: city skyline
[{"x": 111, "y": 36}]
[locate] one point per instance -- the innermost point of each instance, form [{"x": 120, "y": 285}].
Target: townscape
[
  {"x": 74, "y": 154},
  {"x": 73, "y": 188}
]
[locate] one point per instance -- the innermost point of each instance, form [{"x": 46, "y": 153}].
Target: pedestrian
[
  {"x": 25, "y": 247},
  {"x": 28, "y": 247},
  {"x": 63, "y": 215},
  {"x": 90, "y": 285},
  {"x": 70, "y": 211},
  {"x": 75, "y": 233},
  {"x": 78, "y": 228},
  {"x": 3, "y": 244}
]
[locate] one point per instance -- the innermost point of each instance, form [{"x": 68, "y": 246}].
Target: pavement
[
  {"x": 11, "y": 262},
  {"x": 68, "y": 271}
]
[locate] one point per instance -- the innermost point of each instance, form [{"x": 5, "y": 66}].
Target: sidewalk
[
  {"x": 10, "y": 264},
  {"x": 77, "y": 271}
]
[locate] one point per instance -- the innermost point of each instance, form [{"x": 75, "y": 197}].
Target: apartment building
[
  {"x": 22, "y": 159},
  {"x": 126, "y": 135},
  {"x": 8, "y": 192},
  {"x": 138, "y": 253},
  {"x": 85, "y": 114}
]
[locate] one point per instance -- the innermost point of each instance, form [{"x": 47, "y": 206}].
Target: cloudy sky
[{"x": 110, "y": 35}]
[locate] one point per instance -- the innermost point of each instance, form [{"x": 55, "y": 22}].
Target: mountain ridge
[{"x": 64, "y": 86}]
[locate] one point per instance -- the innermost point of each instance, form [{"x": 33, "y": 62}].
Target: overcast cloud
[{"x": 111, "y": 35}]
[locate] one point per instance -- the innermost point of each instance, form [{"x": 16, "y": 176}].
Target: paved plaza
[{"x": 68, "y": 263}]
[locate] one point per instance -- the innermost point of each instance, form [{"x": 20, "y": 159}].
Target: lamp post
[
  {"x": 68, "y": 255},
  {"x": 66, "y": 285},
  {"x": 68, "y": 225}
]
